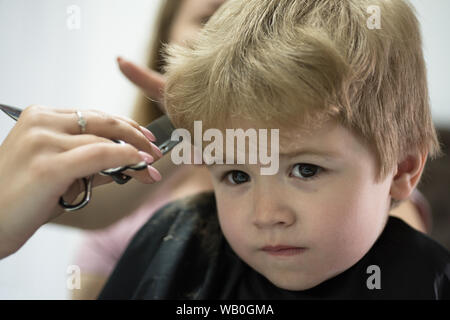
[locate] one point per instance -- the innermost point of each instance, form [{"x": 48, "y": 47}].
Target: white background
[{"x": 43, "y": 62}]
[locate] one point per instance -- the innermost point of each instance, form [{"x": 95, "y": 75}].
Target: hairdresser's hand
[
  {"x": 44, "y": 156},
  {"x": 149, "y": 81}
]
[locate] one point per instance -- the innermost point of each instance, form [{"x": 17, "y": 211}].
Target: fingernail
[
  {"x": 150, "y": 136},
  {"x": 154, "y": 173},
  {"x": 156, "y": 149},
  {"x": 119, "y": 59},
  {"x": 146, "y": 157}
]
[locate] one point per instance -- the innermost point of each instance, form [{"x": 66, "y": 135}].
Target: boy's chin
[{"x": 295, "y": 283}]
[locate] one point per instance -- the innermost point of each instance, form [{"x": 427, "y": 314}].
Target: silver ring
[{"x": 81, "y": 122}]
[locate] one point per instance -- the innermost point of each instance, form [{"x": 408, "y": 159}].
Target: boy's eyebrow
[
  {"x": 327, "y": 154},
  {"x": 311, "y": 151}
]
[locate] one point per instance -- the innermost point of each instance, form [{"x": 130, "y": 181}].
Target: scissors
[{"x": 161, "y": 128}]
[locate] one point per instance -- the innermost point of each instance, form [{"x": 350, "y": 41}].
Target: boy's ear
[{"x": 408, "y": 174}]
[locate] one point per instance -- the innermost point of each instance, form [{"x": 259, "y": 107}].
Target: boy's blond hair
[{"x": 292, "y": 62}]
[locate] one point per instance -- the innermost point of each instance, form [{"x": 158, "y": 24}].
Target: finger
[
  {"x": 147, "y": 133},
  {"x": 151, "y": 82},
  {"x": 89, "y": 159},
  {"x": 66, "y": 142},
  {"x": 148, "y": 175},
  {"x": 97, "y": 123},
  {"x": 142, "y": 174},
  {"x": 112, "y": 127},
  {"x": 42, "y": 116}
]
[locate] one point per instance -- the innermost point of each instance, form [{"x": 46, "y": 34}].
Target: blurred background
[
  {"x": 62, "y": 54},
  {"x": 49, "y": 56}
]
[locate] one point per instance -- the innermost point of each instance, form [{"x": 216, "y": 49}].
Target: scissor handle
[
  {"x": 118, "y": 176},
  {"x": 116, "y": 173},
  {"x": 87, "y": 196}
]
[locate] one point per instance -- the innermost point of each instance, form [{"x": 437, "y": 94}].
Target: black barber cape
[{"x": 181, "y": 253}]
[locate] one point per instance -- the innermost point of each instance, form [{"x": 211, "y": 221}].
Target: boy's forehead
[
  {"x": 326, "y": 139},
  {"x": 291, "y": 138}
]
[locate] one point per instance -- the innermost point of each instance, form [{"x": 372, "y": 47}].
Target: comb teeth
[{"x": 162, "y": 129}]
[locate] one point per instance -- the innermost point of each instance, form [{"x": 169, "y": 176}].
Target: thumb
[{"x": 149, "y": 81}]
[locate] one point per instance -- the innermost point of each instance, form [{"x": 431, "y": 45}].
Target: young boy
[{"x": 349, "y": 96}]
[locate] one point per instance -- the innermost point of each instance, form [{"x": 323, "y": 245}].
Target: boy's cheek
[
  {"x": 340, "y": 236},
  {"x": 235, "y": 232},
  {"x": 334, "y": 214},
  {"x": 233, "y": 218},
  {"x": 229, "y": 211},
  {"x": 350, "y": 228}
]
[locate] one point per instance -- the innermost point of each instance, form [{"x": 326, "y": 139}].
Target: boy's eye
[
  {"x": 237, "y": 177},
  {"x": 305, "y": 170}
]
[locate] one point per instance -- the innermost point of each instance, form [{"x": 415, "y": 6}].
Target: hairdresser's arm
[
  {"x": 44, "y": 157},
  {"x": 112, "y": 202}
]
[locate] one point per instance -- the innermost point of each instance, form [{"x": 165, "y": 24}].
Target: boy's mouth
[{"x": 283, "y": 250}]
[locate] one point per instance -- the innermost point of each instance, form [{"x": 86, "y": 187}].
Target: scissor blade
[
  {"x": 11, "y": 111},
  {"x": 162, "y": 128}
]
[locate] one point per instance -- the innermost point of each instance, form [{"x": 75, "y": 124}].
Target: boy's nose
[{"x": 272, "y": 210}]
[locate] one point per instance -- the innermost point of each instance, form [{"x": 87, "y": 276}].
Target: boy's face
[{"x": 325, "y": 202}]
